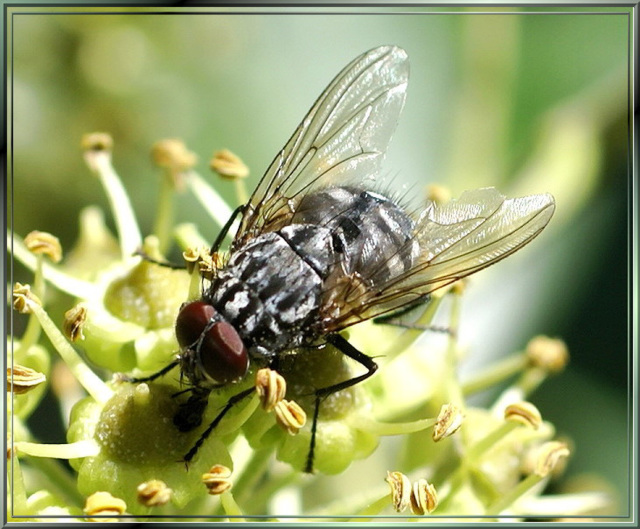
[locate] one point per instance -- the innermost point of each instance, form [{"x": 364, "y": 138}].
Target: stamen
[
  {"x": 424, "y": 499},
  {"x": 271, "y": 388},
  {"x": 24, "y": 299},
  {"x": 549, "y": 456},
  {"x": 290, "y": 416},
  {"x": 400, "y": 490},
  {"x": 549, "y": 354},
  {"x": 43, "y": 243},
  {"x": 103, "y": 504},
  {"x": 153, "y": 493},
  {"x": 449, "y": 421},
  {"x": 217, "y": 480},
  {"x": 21, "y": 379},
  {"x": 74, "y": 320},
  {"x": 523, "y": 413},
  {"x": 230, "y": 167}
]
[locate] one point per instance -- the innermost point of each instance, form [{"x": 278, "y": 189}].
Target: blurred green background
[{"x": 524, "y": 102}]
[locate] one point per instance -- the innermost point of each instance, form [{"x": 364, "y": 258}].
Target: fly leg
[
  {"x": 189, "y": 415},
  {"x": 225, "y": 229},
  {"x": 346, "y": 348},
  {"x": 165, "y": 264},
  {"x": 150, "y": 378},
  {"x": 403, "y": 311},
  {"x": 214, "y": 248},
  {"x": 395, "y": 317},
  {"x": 230, "y": 403}
]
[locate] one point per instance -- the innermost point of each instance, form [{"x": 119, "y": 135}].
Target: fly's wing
[
  {"x": 454, "y": 240},
  {"x": 342, "y": 139}
]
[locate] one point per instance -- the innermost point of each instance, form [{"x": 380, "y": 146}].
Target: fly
[{"x": 319, "y": 249}]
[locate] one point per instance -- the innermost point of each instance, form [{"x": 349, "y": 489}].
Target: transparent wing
[
  {"x": 454, "y": 240},
  {"x": 342, "y": 139}
]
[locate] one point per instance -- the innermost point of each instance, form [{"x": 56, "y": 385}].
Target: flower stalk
[
  {"x": 511, "y": 497},
  {"x": 176, "y": 160},
  {"x": 210, "y": 200},
  {"x": 231, "y": 508},
  {"x": 163, "y": 224},
  {"x": 63, "y": 483},
  {"x": 58, "y": 278},
  {"x": 395, "y": 428},
  {"x": 501, "y": 371},
  {"x": 488, "y": 442},
  {"x": 16, "y": 491}
]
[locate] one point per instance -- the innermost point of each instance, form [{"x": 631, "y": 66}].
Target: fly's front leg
[
  {"x": 164, "y": 264},
  {"x": 214, "y": 248},
  {"x": 230, "y": 403},
  {"x": 346, "y": 348},
  {"x": 150, "y": 378},
  {"x": 189, "y": 414},
  {"x": 225, "y": 229}
]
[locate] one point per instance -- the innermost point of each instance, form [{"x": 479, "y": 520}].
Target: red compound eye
[
  {"x": 191, "y": 322},
  {"x": 221, "y": 354}
]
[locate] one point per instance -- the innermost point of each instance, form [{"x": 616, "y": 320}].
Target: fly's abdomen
[{"x": 370, "y": 234}]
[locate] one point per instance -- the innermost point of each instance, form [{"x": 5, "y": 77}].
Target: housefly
[{"x": 320, "y": 248}]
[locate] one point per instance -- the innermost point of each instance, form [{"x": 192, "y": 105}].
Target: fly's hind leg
[
  {"x": 346, "y": 348},
  {"x": 395, "y": 317}
]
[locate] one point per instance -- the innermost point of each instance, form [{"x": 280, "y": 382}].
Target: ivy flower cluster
[{"x": 125, "y": 453}]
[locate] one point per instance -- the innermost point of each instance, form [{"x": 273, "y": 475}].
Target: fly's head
[{"x": 212, "y": 352}]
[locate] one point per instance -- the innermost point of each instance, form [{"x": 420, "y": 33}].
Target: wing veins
[
  {"x": 336, "y": 133},
  {"x": 347, "y": 128},
  {"x": 418, "y": 289},
  {"x": 328, "y": 113}
]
